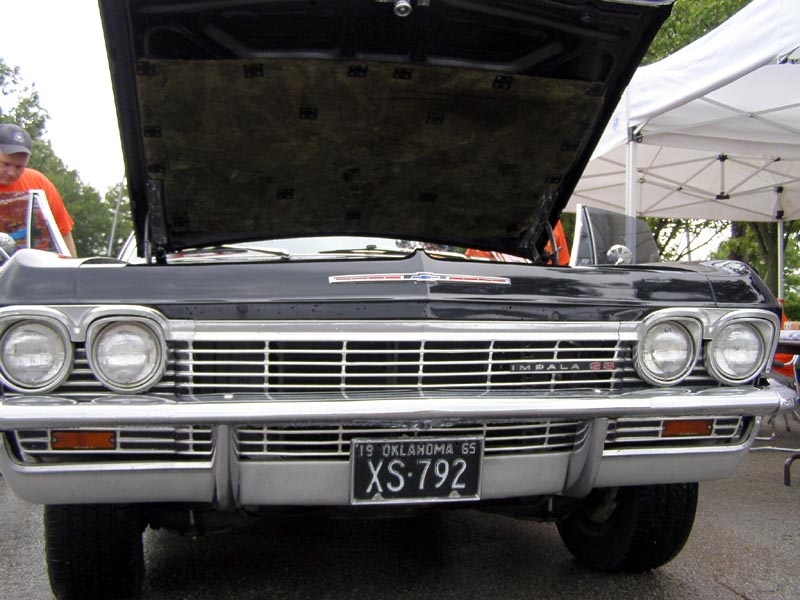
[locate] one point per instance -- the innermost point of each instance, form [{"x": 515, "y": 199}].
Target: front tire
[
  {"x": 631, "y": 529},
  {"x": 94, "y": 551}
]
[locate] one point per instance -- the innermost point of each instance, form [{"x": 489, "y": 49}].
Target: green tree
[
  {"x": 93, "y": 214},
  {"x": 678, "y": 238},
  {"x": 19, "y": 103}
]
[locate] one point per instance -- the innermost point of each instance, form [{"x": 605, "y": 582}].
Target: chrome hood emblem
[{"x": 423, "y": 277}]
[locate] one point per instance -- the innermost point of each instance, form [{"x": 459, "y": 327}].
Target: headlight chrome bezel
[
  {"x": 764, "y": 332},
  {"x": 61, "y": 373},
  {"x": 689, "y": 327},
  {"x": 94, "y": 338}
]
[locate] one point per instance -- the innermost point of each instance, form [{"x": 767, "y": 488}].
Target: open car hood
[{"x": 466, "y": 122}]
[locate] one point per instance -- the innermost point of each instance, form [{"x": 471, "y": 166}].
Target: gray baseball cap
[{"x": 14, "y": 139}]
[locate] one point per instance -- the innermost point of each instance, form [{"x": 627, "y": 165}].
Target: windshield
[{"x": 317, "y": 248}]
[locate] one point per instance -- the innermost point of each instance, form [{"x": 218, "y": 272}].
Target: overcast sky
[{"x": 58, "y": 46}]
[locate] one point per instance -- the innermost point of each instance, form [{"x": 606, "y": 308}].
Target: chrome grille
[
  {"x": 146, "y": 443},
  {"x": 633, "y": 433},
  {"x": 332, "y": 442},
  {"x": 208, "y": 367},
  {"x": 82, "y": 381},
  {"x": 271, "y": 359}
]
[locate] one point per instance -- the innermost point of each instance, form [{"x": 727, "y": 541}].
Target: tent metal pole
[
  {"x": 779, "y": 218},
  {"x": 631, "y": 193},
  {"x": 686, "y": 224},
  {"x": 631, "y": 187},
  {"x": 780, "y": 259}
]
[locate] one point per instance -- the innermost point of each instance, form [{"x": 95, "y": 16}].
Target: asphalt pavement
[{"x": 745, "y": 546}]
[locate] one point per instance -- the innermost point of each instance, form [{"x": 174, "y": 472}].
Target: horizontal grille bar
[
  {"x": 332, "y": 442},
  {"x": 629, "y": 433},
  {"x": 149, "y": 443}
]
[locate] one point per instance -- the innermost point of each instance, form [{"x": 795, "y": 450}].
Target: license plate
[{"x": 416, "y": 470}]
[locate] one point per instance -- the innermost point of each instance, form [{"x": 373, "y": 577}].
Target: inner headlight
[
  {"x": 665, "y": 354},
  {"x": 736, "y": 354},
  {"x": 127, "y": 356},
  {"x": 35, "y": 356}
]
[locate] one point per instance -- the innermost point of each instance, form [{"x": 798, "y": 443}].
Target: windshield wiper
[
  {"x": 277, "y": 252},
  {"x": 370, "y": 250}
]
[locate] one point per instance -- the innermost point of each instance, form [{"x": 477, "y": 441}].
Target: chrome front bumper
[
  {"x": 227, "y": 481},
  {"x": 28, "y": 412}
]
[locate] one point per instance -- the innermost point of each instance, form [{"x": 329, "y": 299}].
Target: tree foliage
[
  {"x": 681, "y": 239},
  {"x": 93, "y": 214}
]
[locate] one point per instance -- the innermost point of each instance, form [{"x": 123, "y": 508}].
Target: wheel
[
  {"x": 631, "y": 528},
  {"x": 94, "y": 551}
]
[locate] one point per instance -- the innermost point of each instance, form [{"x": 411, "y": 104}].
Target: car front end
[{"x": 344, "y": 292}]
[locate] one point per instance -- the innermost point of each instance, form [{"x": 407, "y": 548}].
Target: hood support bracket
[{"x": 156, "y": 230}]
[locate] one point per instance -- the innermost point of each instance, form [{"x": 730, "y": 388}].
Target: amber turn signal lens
[
  {"x": 83, "y": 440},
  {"x": 688, "y": 427}
]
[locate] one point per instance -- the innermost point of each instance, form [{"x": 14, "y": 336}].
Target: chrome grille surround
[
  {"x": 630, "y": 433},
  {"x": 332, "y": 441}
]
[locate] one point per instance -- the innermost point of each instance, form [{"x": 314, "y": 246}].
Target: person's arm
[
  {"x": 70, "y": 243},
  {"x": 63, "y": 219}
]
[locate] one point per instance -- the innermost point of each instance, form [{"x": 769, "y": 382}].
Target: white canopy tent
[{"x": 712, "y": 131}]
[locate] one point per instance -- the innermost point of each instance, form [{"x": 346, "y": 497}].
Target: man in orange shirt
[{"x": 15, "y": 176}]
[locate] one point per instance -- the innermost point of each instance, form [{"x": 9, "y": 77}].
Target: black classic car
[{"x": 298, "y": 323}]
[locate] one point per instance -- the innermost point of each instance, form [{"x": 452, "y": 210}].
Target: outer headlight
[
  {"x": 126, "y": 356},
  {"x": 35, "y": 356},
  {"x": 737, "y": 352},
  {"x": 665, "y": 354}
]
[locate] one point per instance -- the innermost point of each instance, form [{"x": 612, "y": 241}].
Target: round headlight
[
  {"x": 127, "y": 356},
  {"x": 35, "y": 356},
  {"x": 736, "y": 354},
  {"x": 665, "y": 354}
]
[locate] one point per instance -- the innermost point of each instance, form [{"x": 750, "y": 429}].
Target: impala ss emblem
[
  {"x": 416, "y": 277},
  {"x": 549, "y": 367}
]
